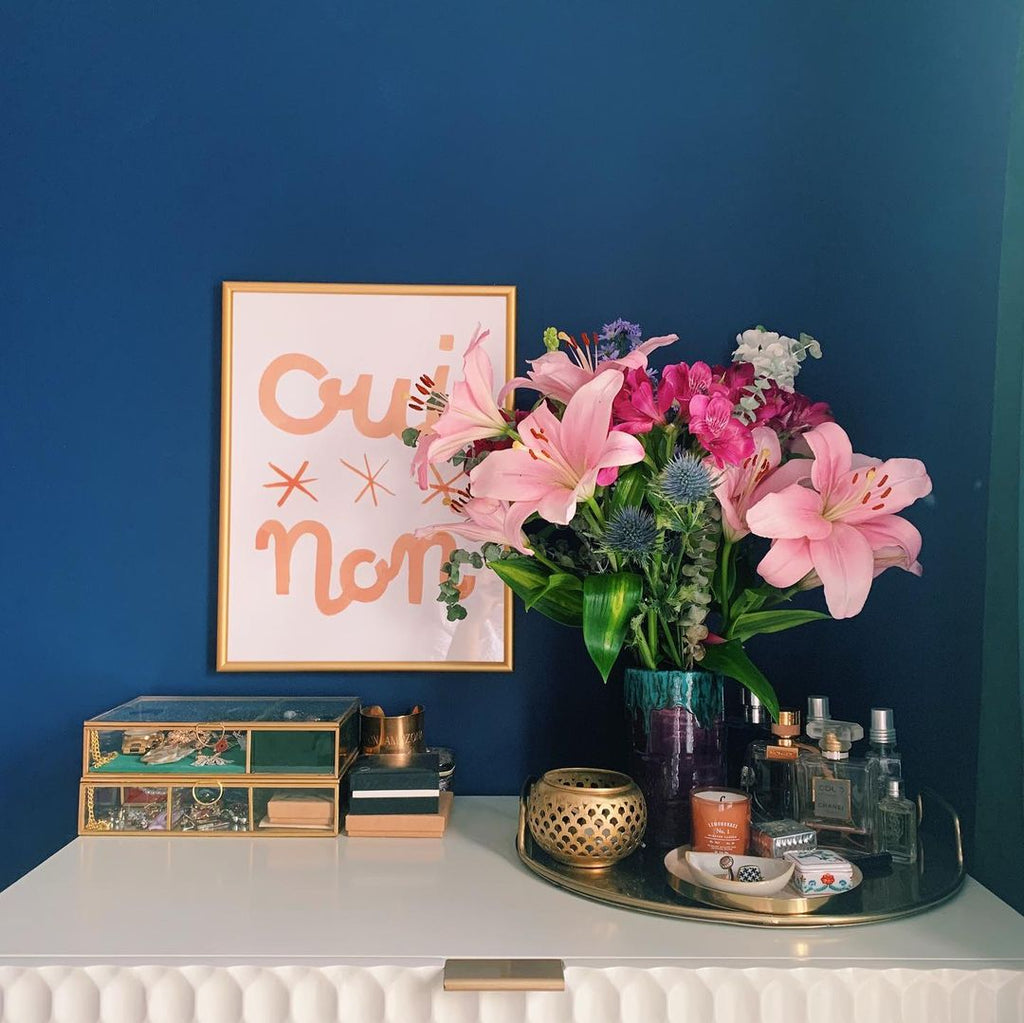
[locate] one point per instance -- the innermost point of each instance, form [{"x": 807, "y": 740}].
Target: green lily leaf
[
  {"x": 732, "y": 660},
  {"x": 759, "y": 623},
  {"x": 557, "y": 580},
  {"x": 629, "y": 490},
  {"x": 608, "y": 604},
  {"x": 529, "y": 579}
]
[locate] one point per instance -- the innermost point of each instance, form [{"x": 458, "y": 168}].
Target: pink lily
[
  {"x": 741, "y": 486},
  {"x": 559, "y": 376},
  {"x": 726, "y": 438},
  {"x": 488, "y": 521},
  {"x": 556, "y": 464},
  {"x": 471, "y": 413},
  {"x": 843, "y": 525}
]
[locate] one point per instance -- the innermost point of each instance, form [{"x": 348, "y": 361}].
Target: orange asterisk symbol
[
  {"x": 444, "y": 487},
  {"x": 291, "y": 483},
  {"x": 370, "y": 475}
]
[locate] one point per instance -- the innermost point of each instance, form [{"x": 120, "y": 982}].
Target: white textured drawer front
[{"x": 386, "y": 994}]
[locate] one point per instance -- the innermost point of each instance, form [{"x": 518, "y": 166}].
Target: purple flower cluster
[{"x": 618, "y": 337}]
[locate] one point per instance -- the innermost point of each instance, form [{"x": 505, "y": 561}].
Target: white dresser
[{"x": 128, "y": 930}]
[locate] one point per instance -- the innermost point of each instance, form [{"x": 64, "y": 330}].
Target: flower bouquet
[{"x": 676, "y": 514}]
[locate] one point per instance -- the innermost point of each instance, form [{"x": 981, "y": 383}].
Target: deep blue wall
[{"x": 697, "y": 167}]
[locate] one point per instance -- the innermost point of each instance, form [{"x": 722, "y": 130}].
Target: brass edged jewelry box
[
  {"x": 204, "y": 807},
  {"x": 222, "y": 737},
  {"x": 198, "y": 766}
]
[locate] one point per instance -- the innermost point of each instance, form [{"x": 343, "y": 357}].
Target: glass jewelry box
[
  {"x": 206, "y": 807},
  {"x": 246, "y": 737}
]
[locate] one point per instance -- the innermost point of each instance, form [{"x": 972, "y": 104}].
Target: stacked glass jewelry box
[{"x": 162, "y": 765}]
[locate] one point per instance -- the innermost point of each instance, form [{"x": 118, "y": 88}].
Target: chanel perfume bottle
[
  {"x": 768, "y": 776},
  {"x": 882, "y": 747},
  {"x": 836, "y": 792},
  {"x": 897, "y": 824},
  {"x": 750, "y": 724}
]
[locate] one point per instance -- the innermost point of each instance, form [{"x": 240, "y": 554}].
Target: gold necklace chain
[{"x": 98, "y": 759}]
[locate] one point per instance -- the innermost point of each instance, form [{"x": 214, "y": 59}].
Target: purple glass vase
[{"x": 677, "y": 725}]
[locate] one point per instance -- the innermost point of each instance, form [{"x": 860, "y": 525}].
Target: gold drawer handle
[{"x": 504, "y": 975}]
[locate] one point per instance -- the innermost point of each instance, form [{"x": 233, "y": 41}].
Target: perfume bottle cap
[
  {"x": 817, "y": 708},
  {"x": 835, "y": 737},
  {"x": 754, "y": 711},
  {"x": 883, "y": 727},
  {"x": 788, "y": 725},
  {"x": 894, "y": 786}
]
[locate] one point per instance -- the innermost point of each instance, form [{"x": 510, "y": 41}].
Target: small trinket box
[
  {"x": 773, "y": 839},
  {"x": 820, "y": 870}
]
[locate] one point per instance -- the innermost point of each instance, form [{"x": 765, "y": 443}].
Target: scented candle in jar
[{"x": 721, "y": 820}]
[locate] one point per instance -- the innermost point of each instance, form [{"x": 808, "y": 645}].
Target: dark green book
[
  {"x": 395, "y": 773},
  {"x": 362, "y": 805}
]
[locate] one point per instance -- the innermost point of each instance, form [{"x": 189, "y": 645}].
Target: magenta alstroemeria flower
[
  {"x": 741, "y": 486},
  {"x": 686, "y": 381},
  {"x": 639, "y": 407},
  {"x": 791, "y": 413},
  {"x": 556, "y": 464},
  {"x": 842, "y": 525},
  {"x": 726, "y": 438},
  {"x": 471, "y": 413},
  {"x": 488, "y": 521},
  {"x": 559, "y": 376}
]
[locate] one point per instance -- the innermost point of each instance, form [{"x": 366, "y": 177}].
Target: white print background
[{"x": 388, "y": 336}]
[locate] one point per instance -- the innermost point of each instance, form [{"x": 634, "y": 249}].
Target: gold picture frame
[{"x": 225, "y": 662}]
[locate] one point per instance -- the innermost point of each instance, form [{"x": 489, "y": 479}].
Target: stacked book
[{"x": 397, "y": 795}]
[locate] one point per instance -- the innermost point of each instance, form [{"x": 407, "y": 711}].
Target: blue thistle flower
[
  {"x": 632, "y": 533},
  {"x": 625, "y": 336},
  {"x": 684, "y": 480}
]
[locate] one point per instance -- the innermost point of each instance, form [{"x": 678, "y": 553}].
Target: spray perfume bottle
[
  {"x": 837, "y": 792},
  {"x": 768, "y": 775},
  {"x": 897, "y": 823},
  {"x": 751, "y": 724},
  {"x": 882, "y": 747}
]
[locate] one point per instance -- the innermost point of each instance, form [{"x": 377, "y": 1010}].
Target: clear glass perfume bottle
[
  {"x": 882, "y": 747},
  {"x": 768, "y": 773},
  {"x": 897, "y": 824},
  {"x": 749, "y": 725},
  {"x": 836, "y": 792}
]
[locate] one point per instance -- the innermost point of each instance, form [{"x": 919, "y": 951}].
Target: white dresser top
[{"x": 157, "y": 901}]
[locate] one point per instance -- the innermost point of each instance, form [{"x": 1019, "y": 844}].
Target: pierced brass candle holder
[{"x": 587, "y": 817}]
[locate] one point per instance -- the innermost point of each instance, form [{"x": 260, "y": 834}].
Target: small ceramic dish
[{"x": 709, "y": 873}]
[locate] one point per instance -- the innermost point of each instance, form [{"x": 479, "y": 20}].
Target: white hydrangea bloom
[{"x": 775, "y": 356}]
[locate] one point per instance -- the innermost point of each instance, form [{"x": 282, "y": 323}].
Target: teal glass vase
[{"x": 678, "y": 743}]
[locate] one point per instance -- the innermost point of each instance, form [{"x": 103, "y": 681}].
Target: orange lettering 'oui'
[
  {"x": 334, "y": 401},
  {"x": 406, "y": 548}
]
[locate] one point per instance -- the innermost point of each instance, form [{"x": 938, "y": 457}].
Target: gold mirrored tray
[{"x": 641, "y": 881}]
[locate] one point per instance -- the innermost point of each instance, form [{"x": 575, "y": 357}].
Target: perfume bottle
[
  {"x": 768, "y": 776},
  {"x": 882, "y": 747},
  {"x": 741, "y": 730},
  {"x": 897, "y": 823},
  {"x": 836, "y": 792}
]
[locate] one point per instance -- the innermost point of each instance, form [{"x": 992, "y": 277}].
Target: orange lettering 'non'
[{"x": 406, "y": 548}]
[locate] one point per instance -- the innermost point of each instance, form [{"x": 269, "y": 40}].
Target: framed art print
[{"x": 321, "y": 566}]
